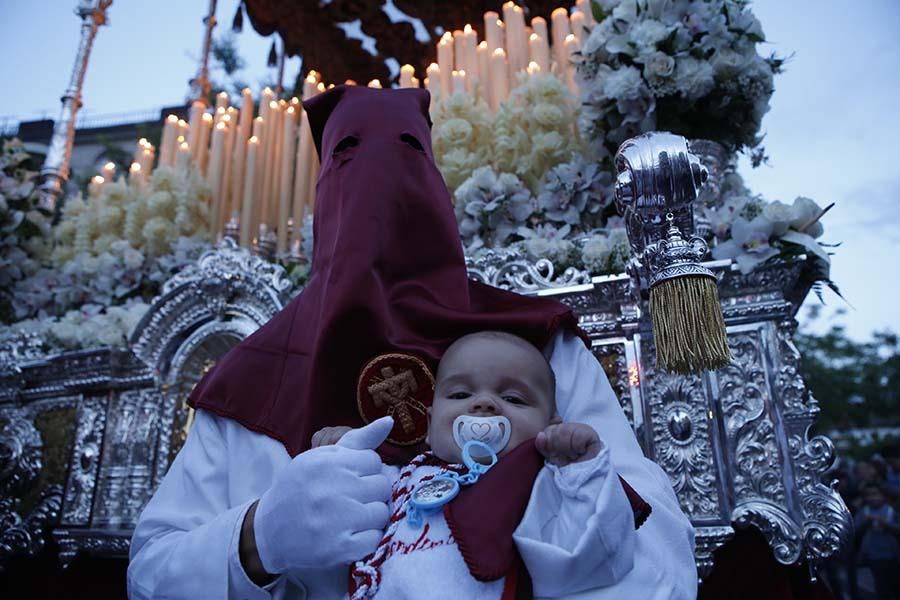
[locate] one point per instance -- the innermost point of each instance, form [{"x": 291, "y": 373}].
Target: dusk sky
[{"x": 832, "y": 132}]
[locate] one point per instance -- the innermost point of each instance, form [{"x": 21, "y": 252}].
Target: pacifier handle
[{"x": 471, "y": 463}]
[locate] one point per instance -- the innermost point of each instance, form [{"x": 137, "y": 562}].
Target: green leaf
[{"x": 599, "y": 14}]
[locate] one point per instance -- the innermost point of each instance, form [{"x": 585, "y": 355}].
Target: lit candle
[
  {"x": 184, "y": 129},
  {"x": 559, "y": 23},
  {"x": 484, "y": 72},
  {"x": 96, "y": 185},
  {"x": 459, "y": 82},
  {"x": 214, "y": 171},
  {"x": 539, "y": 26},
  {"x": 499, "y": 78},
  {"x": 167, "y": 145},
  {"x": 134, "y": 173},
  {"x": 576, "y": 21},
  {"x": 433, "y": 81},
  {"x": 309, "y": 85},
  {"x": 108, "y": 172},
  {"x": 572, "y": 46},
  {"x": 470, "y": 57},
  {"x": 533, "y": 68},
  {"x": 516, "y": 42},
  {"x": 375, "y": 84},
  {"x": 198, "y": 108},
  {"x": 249, "y": 187},
  {"x": 493, "y": 34},
  {"x": 288, "y": 150},
  {"x": 459, "y": 51},
  {"x": 227, "y": 191},
  {"x": 146, "y": 161},
  {"x": 269, "y": 196},
  {"x": 539, "y": 52},
  {"x": 445, "y": 62},
  {"x": 259, "y": 131},
  {"x": 407, "y": 72},
  {"x": 206, "y": 126},
  {"x": 183, "y": 157},
  {"x": 303, "y": 167},
  {"x": 221, "y": 100},
  {"x": 415, "y": 82}
]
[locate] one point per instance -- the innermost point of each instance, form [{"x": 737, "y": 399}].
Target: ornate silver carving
[
  {"x": 20, "y": 465},
  {"x": 620, "y": 379},
  {"x": 510, "y": 269},
  {"x": 685, "y": 451},
  {"x": 775, "y": 523},
  {"x": 126, "y": 471},
  {"x": 85, "y": 461},
  {"x": 706, "y": 541}
]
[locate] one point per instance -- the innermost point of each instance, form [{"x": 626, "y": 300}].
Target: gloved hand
[{"x": 328, "y": 506}]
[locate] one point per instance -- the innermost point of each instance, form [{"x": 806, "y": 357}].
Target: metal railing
[{"x": 9, "y": 124}]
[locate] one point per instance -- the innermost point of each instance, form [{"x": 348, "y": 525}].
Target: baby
[
  {"x": 499, "y": 389},
  {"x": 496, "y": 374}
]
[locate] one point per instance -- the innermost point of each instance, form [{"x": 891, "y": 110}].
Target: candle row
[{"x": 490, "y": 68}]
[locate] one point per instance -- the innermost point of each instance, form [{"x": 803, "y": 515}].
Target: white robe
[{"x": 185, "y": 544}]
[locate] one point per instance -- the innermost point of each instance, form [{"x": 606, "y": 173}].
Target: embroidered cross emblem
[{"x": 395, "y": 391}]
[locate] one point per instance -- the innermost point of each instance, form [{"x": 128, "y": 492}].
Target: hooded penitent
[
  {"x": 388, "y": 277},
  {"x": 387, "y": 294}
]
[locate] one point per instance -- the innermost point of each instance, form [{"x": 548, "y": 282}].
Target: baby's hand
[
  {"x": 328, "y": 436},
  {"x": 565, "y": 443}
]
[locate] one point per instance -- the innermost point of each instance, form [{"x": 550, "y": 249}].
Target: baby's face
[{"x": 489, "y": 375}]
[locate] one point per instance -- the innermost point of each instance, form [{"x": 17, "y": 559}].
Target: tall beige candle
[
  {"x": 146, "y": 161},
  {"x": 493, "y": 35},
  {"x": 227, "y": 191},
  {"x": 205, "y": 134},
  {"x": 559, "y": 27},
  {"x": 108, "y": 172},
  {"x": 167, "y": 146},
  {"x": 484, "y": 72},
  {"x": 459, "y": 51},
  {"x": 406, "y": 76},
  {"x": 499, "y": 78},
  {"x": 576, "y": 21},
  {"x": 539, "y": 26},
  {"x": 572, "y": 46},
  {"x": 459, "y": 82},
  {"x": 259, "y": 132},
  {"x": 445, "y": 62},
  {"x": 433, "y": 81},
  {"x": 249, "y": 187},
  {"x": 302, "y": 170},
  {"x": 214, "y": 173},
  {"x": 516, "y": 42},
  {"x": 470, "y": 57},
  {"x": 539, "y": 52},
  {"x": 584, "y": 7},
  {"x": 182, "y": 158},
  {"x": 198, "y": 107},
  {"x": 184, "y": 130},
  {"x": 221, "y": 100},
  {"x": 288, "y": 151}
]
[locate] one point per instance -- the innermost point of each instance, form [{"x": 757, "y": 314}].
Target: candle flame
[
  {"x": 467, "y": 29},
  {"x": 559, "y": 11},
  {"x": 220, "y": 110},
  {"x": 143, "y": 142},
  {"x": 172, "y": 119},
  {"x": 407, "y": 69},
  {"x": 461, "y": 73},
  {"x": 273, "y": 105},
  {"x": 147, "y": 152},
  {"x": 482, "y": 45},
  {"x": 311, "y": 78},
  {"x": 253, "y": 140},
  {"x": 447, "y": 38},
  {"x": 220, "y": 126},
  {"x": 290, "y": 110},
  {"x": 534, "y": 37},
  {"x": 135, "y": 167},
  {"x": 109, "y": 166},
  {"x": 207, "y": 117},
  {"x": 183, "y": 147},
  {"x": 433, "y": 66},
  {"x": 98, "y": 179},
  {"x": 179, "y": 139},
  {"x": 499, "y": 52},
  {"x": 374, "y": 84},
  {"x": 247, "y": 90},
  {"x": 500, "y": 24},
  {"x": 321, "y": 86},
  {"x": 570, "y": 38},
  {"x": 260, "y": 119},
  {"x": 538, "y": 21},
  {"x": 315, "y": 74},
  {"x": 222, "y": 94},
  {"x": 267, "y": 90}
]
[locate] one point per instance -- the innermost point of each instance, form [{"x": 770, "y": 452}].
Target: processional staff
[{"x": 55, "y": 171}]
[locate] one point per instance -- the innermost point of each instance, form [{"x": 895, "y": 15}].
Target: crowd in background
[{"x": 869, "y": 567}]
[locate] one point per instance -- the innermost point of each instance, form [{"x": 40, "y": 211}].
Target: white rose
[
  {"x": 455, "y": 132},
  {"x": 727, "y": 62},
  {"x": 659, "y": 65},
  {"x": 548, "y": 115},
  {"x": 805, "y": 210},
  {"x": 693, "y": 78},
  {"x": 538, "y": 247},
  {"x": 647, "y": 33}
]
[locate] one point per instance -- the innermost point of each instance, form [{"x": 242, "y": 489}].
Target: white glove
[{"x": 328, "y": 506}]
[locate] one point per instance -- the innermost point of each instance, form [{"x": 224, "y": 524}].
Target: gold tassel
[{"x": 688, "y": 327}]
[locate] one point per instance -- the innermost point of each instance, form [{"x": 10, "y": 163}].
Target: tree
[{"x": 856, "y": 383}]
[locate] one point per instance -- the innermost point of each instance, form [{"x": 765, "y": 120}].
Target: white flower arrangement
[
  {"x": 491, "y": 208},
  {"x": 690, "y": 67},
  {"x": 25, "y": 231},
  {"x": 90, "y": 326}
]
